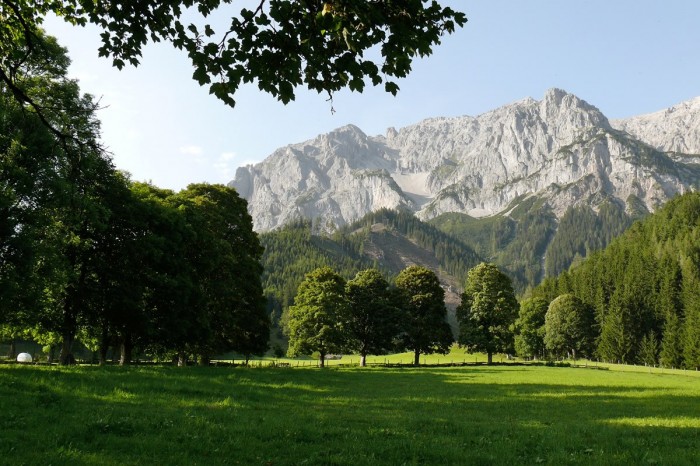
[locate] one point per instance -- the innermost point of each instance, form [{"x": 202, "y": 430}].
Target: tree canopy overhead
[{"x": 324, "y": 45}]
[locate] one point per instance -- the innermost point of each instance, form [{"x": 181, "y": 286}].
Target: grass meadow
[{"x": 502, "y": 414}]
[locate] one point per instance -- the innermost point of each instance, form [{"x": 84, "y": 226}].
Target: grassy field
[{"x": 350, "y": 416}]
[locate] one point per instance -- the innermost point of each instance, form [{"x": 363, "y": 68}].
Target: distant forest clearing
[{"x": 502, "y": 414}]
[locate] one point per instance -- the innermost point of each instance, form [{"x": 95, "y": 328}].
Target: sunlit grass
[{"x": 351, "y": 416}]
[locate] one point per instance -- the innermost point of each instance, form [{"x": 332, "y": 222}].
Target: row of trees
[
  {"x": 86, "y": 254},
  {"x": 367, "y": 316},
  {"x": 293, "y": 250}
]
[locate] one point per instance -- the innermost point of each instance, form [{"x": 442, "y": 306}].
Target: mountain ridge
[{"x": 561, "y": 149}]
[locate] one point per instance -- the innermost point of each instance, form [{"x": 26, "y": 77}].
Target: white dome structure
[{"x": 24, "y": 357}]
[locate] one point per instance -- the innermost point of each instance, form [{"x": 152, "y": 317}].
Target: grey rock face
[
  {"x": 560, "y": 148},
  {"x": 675, "y": 129}
]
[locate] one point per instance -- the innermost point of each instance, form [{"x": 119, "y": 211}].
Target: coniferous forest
[{"x": 644, "y": 289}]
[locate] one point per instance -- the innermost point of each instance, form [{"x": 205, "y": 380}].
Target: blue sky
[{"x": 625, "y": 57}]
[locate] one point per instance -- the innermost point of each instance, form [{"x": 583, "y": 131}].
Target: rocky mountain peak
[
  {"x": 559, "y": 107},
  {"x": 560, "y": 148}
]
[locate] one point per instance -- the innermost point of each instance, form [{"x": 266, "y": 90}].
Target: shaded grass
[{"x": 473, "y": 415}]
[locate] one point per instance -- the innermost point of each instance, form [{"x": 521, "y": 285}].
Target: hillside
[
  {"x": 388, "y": 240},
  {"x": 645, "y": 288},
  {"x": 530, "y": 243}
]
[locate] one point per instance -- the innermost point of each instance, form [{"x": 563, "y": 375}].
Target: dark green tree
[
  {"x": 672, "y": 343},
  {"x": 317, "y": 320},
  {"x": 68, "y": 212},
  {"x": 487, "y": 312},
  {"x": 172, "y": 299},
  {"x": 374, "y": 320},
  {"x": 617, "y": 342},
  {"x": 691, "y": 303},
  {"x": 422, "y": 301},
  {"x": 225, "y": 255},
  {"x": 529, "y": 328},
  {"x": 569, "y": 327},
  {"x": 649, "y": 349}
]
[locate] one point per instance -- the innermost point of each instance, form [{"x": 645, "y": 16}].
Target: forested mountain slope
[
  {"x": 529, "y": 242},
  {"x": 532, "y": 186},
  {"x": 645, "y": 288},
  {"x": 388, "y": 240}
]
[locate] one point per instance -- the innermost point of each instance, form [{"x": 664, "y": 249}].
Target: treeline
[
  {"x": 88, "y": 256},
  {"x": 367, "y": 315},
  {"x": 643, "y": 289}
]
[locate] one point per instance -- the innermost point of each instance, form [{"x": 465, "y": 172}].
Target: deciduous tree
[
  {"x": 422, "y": 302},
  {"x": 325, "y": 45},
  {"x": 487, "y": 311},
  {"x": 529, "y": 328},
  {"x": 374, "y": 320},
  {"x": 569, "y": 327},
  {"x": 317, "y": 320}
]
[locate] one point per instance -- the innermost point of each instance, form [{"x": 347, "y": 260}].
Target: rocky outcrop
[
  {"x": 675, "y": 129},
  {"x": 561, "y": 149}
]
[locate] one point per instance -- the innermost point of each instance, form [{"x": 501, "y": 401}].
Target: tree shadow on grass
[{"x": 488, "y": 415}]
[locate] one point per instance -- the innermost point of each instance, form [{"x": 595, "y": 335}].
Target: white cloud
[{"x": 192, "y": 150}]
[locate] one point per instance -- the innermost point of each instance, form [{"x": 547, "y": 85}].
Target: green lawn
[{"x": 384, "y": 416}]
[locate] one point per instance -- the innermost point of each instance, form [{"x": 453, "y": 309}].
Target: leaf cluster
[{"x": 325, "y": 45}]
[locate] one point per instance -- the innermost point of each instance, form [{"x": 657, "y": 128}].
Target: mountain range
[{"x": 560, "y": 151}]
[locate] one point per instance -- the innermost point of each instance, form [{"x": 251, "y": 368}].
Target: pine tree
[
  {"x": 649, "y": 349},
  {"x": 671, "y": 343}
]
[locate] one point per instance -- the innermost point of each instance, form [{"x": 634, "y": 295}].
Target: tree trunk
[
  {"x": 490, "y": 357},
  {"x": 12, "y": 355},
  {"x": 66, "y": 357},
  {"x": 102, "y": 356},
  {"x": 50, "y": 357},
  {"x": 104, "y": 346},
  {"x": 204, "y": 360},
  {"x": 363, "y": 360},
  {"x": 125, "y": 350},
  {"x": 416, "y": 358},
  {"x": 322, "y": 359},
  {"x": 181, "y": 359}
]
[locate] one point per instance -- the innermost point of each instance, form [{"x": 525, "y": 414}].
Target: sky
[{"x": 626, "y": 57}]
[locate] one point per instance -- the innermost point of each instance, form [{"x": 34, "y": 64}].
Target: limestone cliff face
[
  {"x": 675, "y": 129},
  {"x": 560, "y": 148}
]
